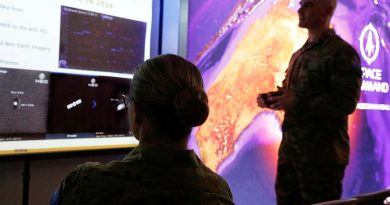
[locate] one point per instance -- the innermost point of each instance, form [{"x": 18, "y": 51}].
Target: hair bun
[{"x": 191, "y": 106}]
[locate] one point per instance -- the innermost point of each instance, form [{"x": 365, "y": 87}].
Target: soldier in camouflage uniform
[
  {"x": 168, "y": 99},
  {"x": 320, "y": 90}
]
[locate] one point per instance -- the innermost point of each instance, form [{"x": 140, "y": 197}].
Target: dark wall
[{"x": 45, "y": 175}]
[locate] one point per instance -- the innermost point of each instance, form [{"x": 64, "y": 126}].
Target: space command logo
[
  {"x": 369, "y": 48},
  {"x": 369, "y": 43}
]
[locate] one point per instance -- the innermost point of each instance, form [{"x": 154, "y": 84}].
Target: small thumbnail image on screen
[
  {"x": 95, "y": 41},
  {"x": 23, "y": 102},
  {"x": 85, "y": 104}
]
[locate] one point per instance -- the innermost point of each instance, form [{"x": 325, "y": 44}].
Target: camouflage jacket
[
  {"x": 325, "y": 79},
  {"x": 147, "y": 175}
]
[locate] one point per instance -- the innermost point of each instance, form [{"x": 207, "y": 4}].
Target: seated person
[{"x": 167, "y": 100}]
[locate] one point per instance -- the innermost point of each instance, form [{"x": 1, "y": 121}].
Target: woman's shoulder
[
  {"x": 102, "y": 172},
  {"x": 93, "y": 181}
]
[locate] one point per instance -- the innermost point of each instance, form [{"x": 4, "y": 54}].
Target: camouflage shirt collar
[
  {"x": 323, "y": 38},
  {"x": 164, "y": 155}
]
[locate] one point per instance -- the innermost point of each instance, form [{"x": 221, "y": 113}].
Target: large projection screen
[
  {"x": 242, "y": 49},
  {"x": 64, "y": 67}
]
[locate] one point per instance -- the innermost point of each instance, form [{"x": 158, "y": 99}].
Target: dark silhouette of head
[
  {"x": 316, "y": 13},
  {"x": 168, "y": 99}
]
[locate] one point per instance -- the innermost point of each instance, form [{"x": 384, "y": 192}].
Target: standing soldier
[{"x": 320, "y": 90}]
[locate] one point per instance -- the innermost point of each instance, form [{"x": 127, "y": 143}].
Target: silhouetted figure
[{"x": 320, "y": 90}]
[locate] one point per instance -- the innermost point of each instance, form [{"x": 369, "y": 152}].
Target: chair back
[
  {"x": 373, "y": 198},
  {"x": 352, "y": 201}
]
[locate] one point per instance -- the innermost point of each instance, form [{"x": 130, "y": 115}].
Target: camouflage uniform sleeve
[
  {"x": 341, "y": 98},
  {"x": 279, "y": 89},
  {"x": 69, "y": 183},
  {"x": 287, "y": 74}
]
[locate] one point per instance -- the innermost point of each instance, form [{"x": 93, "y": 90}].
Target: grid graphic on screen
[{"x": 95, "y": 41}]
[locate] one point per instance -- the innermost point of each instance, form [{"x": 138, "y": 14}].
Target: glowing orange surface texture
[{"x": 257, "y": 65}]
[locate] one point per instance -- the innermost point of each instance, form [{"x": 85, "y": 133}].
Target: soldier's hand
[
  {"x": 283, "y": 101},
  {"x": 276, "y": 102},
  {"x": 262, "y": 100}
]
